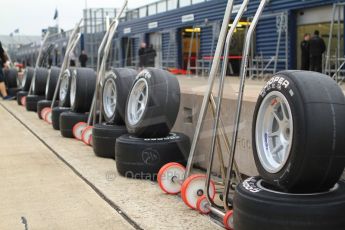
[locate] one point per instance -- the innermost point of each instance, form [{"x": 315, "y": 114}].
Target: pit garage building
[{"x": 184, "y": 33}]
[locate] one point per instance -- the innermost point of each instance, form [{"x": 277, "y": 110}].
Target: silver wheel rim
[
  {"x": 64, "y": 86},
  {"x": 137, "y": 101},
  {"x": 274, "y": 132},
  {"x": 109, "y": 98},
  {"x": 73, "y": 88}
]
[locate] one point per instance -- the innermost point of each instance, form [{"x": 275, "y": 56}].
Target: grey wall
[{"x": 186, "y": 123}]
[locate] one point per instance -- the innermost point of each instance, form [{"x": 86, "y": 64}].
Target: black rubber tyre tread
[
  {"x": 85, "y": 88},
  {"x": 66, "y": 101},
  {"x": 317, "y": 156},
  {"x": 142, "y": 158},
  {"x": 21, "y": 94},
  {"x": 123, "y": 79},
  {"x": 104, "y": 137},
  {"x": 40, "y": 81},
  {"x": 56, "y": 112},
  {"x": 68, "y": 120},
  {"x": 11, "y": 77},
  {"x": 44, "y": 104},
  {"x": 26, "y": 82},
  {"x": 53, "y": 77},
  {"x": 261, "y": 209},
  {"x": 162, "y": 106},
  {"x": 31, "y": 102}
]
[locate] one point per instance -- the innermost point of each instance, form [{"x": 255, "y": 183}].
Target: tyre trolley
[
  {"x": 198, "y": 191},
  {"x": 37, "y": 65},
  {"x": 83, "y": 131},
  {"x": 72, "y": 43}
]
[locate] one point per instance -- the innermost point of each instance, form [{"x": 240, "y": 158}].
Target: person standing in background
[
  {"x": 151, "y": 55},
  {"x": 83, "y": 58},
  {"x": 305, "y": 58},
  {"x": 3, "y": 64},
  {"x": 142, "y": 56},
  {"x": 317, "y": 48}
]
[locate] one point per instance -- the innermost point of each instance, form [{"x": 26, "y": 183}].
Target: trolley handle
[
  {"x": 243, "y": 72},
  {"x": 212, "y": 76},
  {"x": 38, "y": 61},
  {"x": 72, "y": 42},
  {"x": 101, "y": 63},
  {"x": 218, "y": 109}
]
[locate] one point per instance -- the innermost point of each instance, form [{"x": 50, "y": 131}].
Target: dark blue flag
[{"x": 56, "y": 15}]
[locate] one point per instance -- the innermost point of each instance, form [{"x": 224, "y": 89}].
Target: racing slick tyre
[
  {"x": 65, "y": 89},
  {"x": 56, "y": 112},
  {"x": 43, "y": 104},
  {"x": 153, "y": 103},
  {"x": 142, "y": 158},
  {"x": 298, "y": 132},
  {"x": 117, "y": 84},
  {"x": 259, "y": 206},
  {"x": 26, "y": 82},
  {"x": 31, "y": 102},
  {"x": 68, "y": 120},
  {"x": 104, "y": 137},
  {"x": 83, "y": 86},
  {"x": 40, "y": 81},
  {"x": 52, "y": 80}
]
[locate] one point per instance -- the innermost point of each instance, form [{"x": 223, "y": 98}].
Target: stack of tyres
[
  {"x": 299, "y": 150},
  {"x": 11, "y": 81},
  {"x": 116, "y": 87},
  {"x": 53, "y": 76},
  {"x": 82, "y": 89},
  {"x": 151, "y": 111},
  {"x": 53, "y": 116},
  {"x": 38, "y": 85},
  {"x": 26, "y": 82}
]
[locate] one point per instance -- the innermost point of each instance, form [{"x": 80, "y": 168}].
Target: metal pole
[
  {"x": 104, "y": 63},
  {"x": 262, "y": 64},
  {"x": 190, "y": 51},
  {"x": 225, "y": 139},
  {"x": 219, "y": 100},
  {"x": 38, "y": 60},
  {"x": 65, "y": 62},
  {"x": 197, "y": 52},
  {"x": 127, "y": 50},
  {"x": 105, "y": 46},
  {"x": 169, "y": 47},
  {"x": 278, "y": 44},
  {"x": 92, "y": 110},
  {"x": 213, "y": 72},
  {"x": 338, "y": 41},
  {"x": 214, "y": 30},
  {"x": 327, "y": 64},
  {"x": 252, "y": 53},
  {"x": 286, "y": 41},
  {"x": 240, "y": 95},
  {"x": 219, "y": 147},
  {"x": 337, "y": 71}
]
